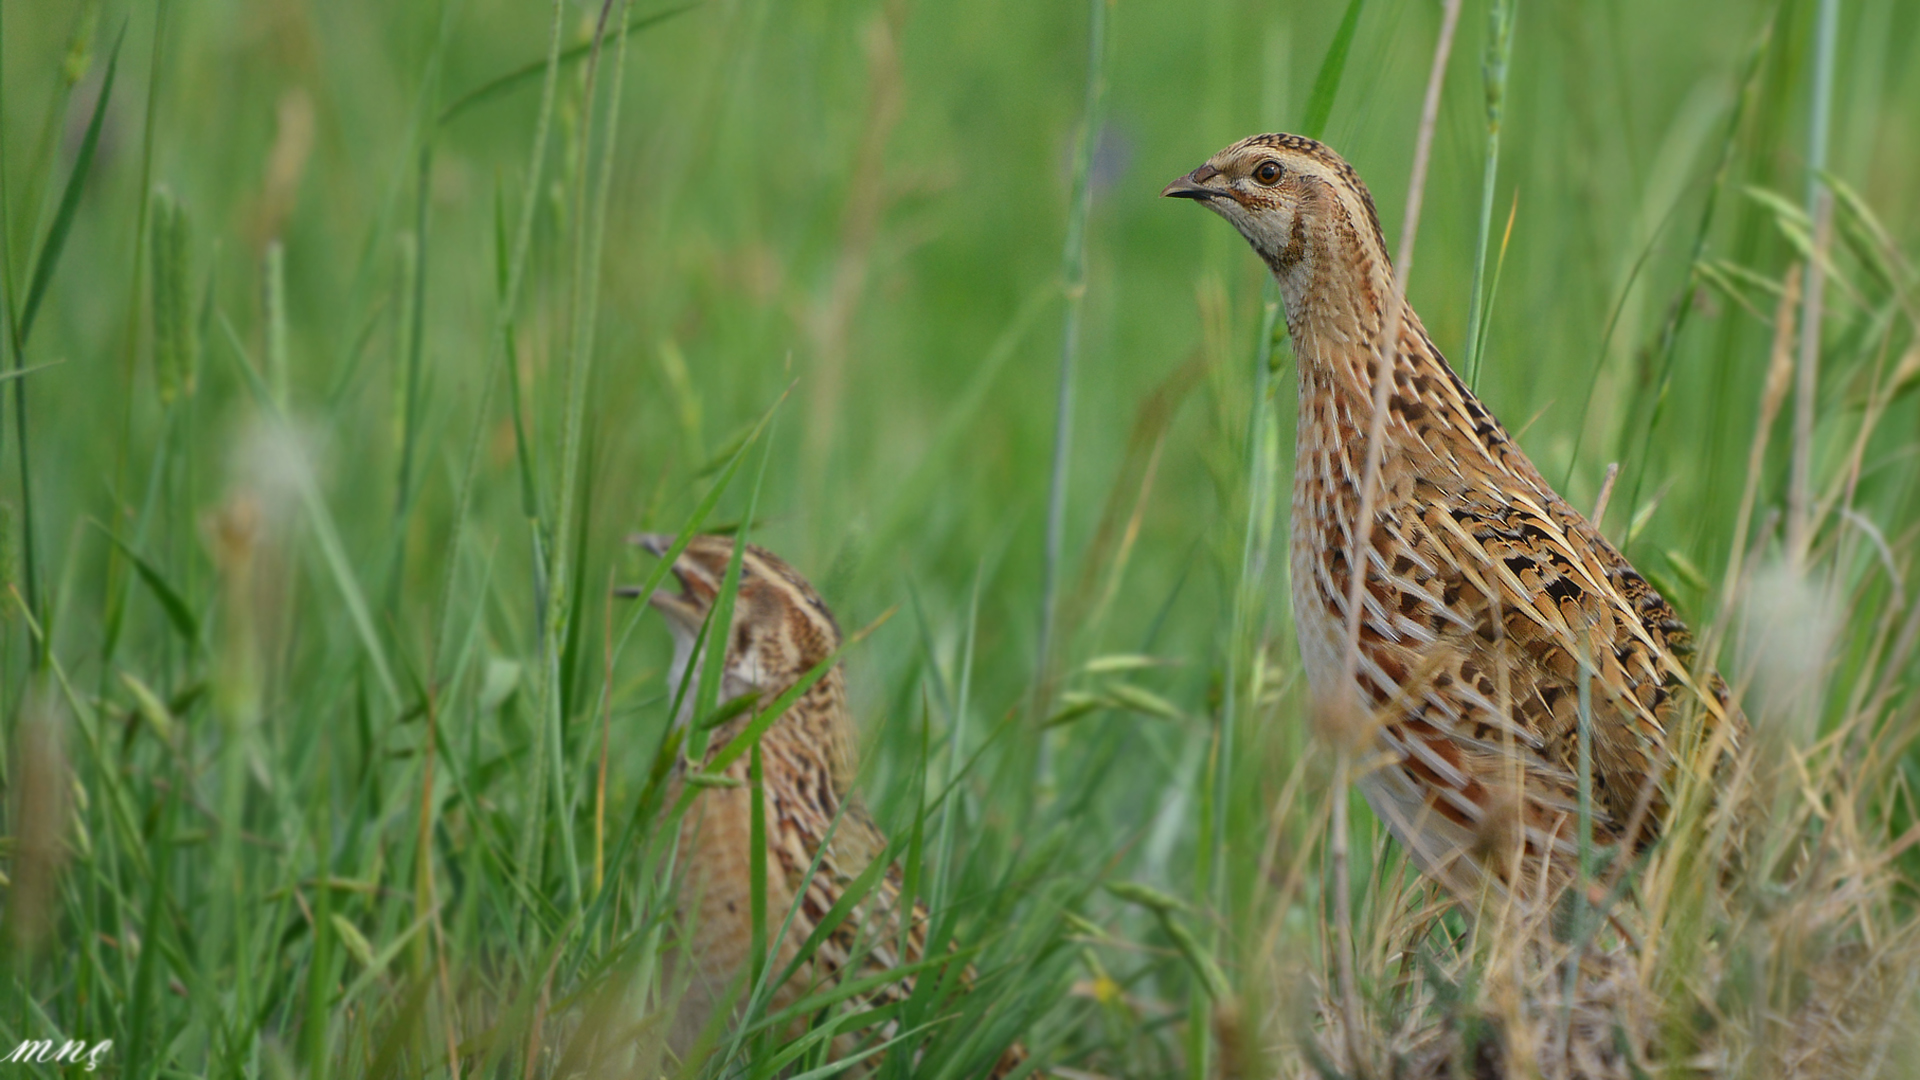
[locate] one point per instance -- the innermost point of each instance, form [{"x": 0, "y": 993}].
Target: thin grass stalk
[
  {"x": 913, "y": 874},
  {"x": 606, "y": 742},
  {"x": 719, "y": 624},
  {"x": 236, "y": 699},
  {"x": 176, "y": 348},
  {"x": 274, "y": 274},
  {"x": 9, "y": 302},
  {"x": 437, "y": 941},
  {"x": 1074, "y": 284},
  {"x": 424, "y": 900},
  {"x": 413, "y": 331},
  {"x": 317, "y": 1012},
  {"x": 1493, "y": 68},
  {"x": 1585, "y": 766},
  {"x": 589, "y": 231},
  {"x": 462, "y": 507},
  {"x": 145, "y": 1005},
  {"x": 1385, "y": 346},
  {"x": 1820, "y": 212},
  {"x": 509, "y": 270},
  {"x": 20, "y": 321},
  {"x": 503, "y": 328},
  {"x": 1337, "y": 852},
  {"x": 956, "y": 746},
  {"x": 1199, "y": 994},
  {"x": 1242, "y": 692},
  {"x": 418, "y": 132},
  {"x": 1570, "y": 978},
  {"x": 118, "y": 582},
  {"x": 757, "y": 864},
  {"x": 1493, "y": 287}
]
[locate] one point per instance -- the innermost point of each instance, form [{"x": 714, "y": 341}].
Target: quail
[
  {"x": 781, "y": 631},
  {"x": 1487, "y": 600}
]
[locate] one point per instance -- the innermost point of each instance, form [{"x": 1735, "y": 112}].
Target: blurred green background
[{"x": 865, "y": 206}]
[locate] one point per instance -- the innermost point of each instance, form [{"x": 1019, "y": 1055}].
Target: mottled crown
[{"x": 1321, "y": 154}]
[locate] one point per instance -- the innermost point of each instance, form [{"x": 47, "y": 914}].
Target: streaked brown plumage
[
  {"x": 1484, "y": 591},
  {"x": 781, "y": 630}
]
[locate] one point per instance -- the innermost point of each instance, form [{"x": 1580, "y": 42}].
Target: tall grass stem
[
  {"x": 1493, "y": 68},
  {"x": 1074, "y": 285},
  {"x": 1385, "y": 348},
  {"x": 1820, "y": 212},
  {"x": 1242, "y": 691},
  {"x": 590, "y": 233},
  {"x": 119, "y": 582},
  {"x": 274, "y": 275}
]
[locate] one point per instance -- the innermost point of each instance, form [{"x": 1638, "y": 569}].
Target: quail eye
[{"x": 1267, "y": 173}]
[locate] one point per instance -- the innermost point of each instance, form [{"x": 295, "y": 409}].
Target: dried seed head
[
  {"x": 271, "y": 463},
  {"x": 1230, "y": 1034},
  {"x": 41, "y": 791},
  {"x": 1787, "y": 635},
  {"x": 234, "y": 534},
  {"x": 1343, "y": 722},
  {"x": 1499, "y": 837}
]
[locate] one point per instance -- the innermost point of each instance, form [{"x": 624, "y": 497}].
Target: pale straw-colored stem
[
  {"x": 1385, "y": 347},
  {"x": 1386, "y": 342}
]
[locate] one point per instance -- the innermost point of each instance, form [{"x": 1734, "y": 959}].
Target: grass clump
[{"x": 347, "y": 342}]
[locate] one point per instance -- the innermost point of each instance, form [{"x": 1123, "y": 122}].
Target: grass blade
[
  {"x": 502, "y": 85},
  {"x": 720, "y": 624},
  {"x": 21, "y": 373},
  {"x": 764, "y": 718},
  {"x": 1326, "y": 84},
  {"x": 179, "y": 613},
  {"x": 757, "y": 865},
  {"x": 56, "y": 241}
]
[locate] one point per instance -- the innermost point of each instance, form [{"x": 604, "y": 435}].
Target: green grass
[{"x": 355, "y": 337}]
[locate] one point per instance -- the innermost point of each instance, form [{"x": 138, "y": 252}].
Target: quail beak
[
  {"x": 677, "y": 607},
  {"x": 1194, "y": 186}
]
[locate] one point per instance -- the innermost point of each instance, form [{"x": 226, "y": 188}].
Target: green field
[{"x": 358, "y": 337}]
